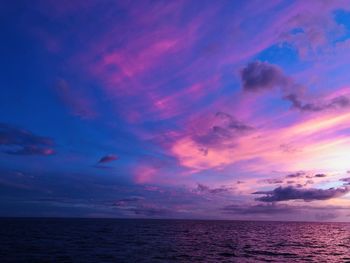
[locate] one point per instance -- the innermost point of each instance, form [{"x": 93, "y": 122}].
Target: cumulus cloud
[
  {"x": 292, "y": 193},
  {"x": 108, "y": 158},
  {"x": 19, "y": 141}
]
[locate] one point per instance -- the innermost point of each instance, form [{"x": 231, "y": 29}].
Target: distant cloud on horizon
[{"x": 307, "y": 194}]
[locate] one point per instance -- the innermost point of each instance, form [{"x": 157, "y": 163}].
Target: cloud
[
  {"x": 129, "y": 200},
  {"x": 31, "y": 150},
  {"x": 346, "y": 180},
  {"x": 296, "y": 175},
  {"x": 258, "y": 209},
  {"x": 224, "y": 127},
  {"x": 19, "y": 141},
  {"x": 298, "y": 179},
  {"x": 326, "y": 216},
  {"x": 209, "y": 140},
  {"x": 273, "y": 181},
  {"x": 150, "y": 211},
  {"x": 257, "y": 76},
  {"x": 108, "y": 158},
  {"x": 320, "y": 175},
  {"x": 201, "y": 188},
  {"x": 339, "y": 102},
  {"x": 137, "y": 205},
  {"x": 292, "y": 193}
]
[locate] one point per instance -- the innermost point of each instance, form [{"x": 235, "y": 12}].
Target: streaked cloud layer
[{"x": 232, "y": 109}]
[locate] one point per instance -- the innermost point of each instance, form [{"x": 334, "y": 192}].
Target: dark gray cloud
[
  {"x": 108, "y": 158},
  {"x": 258, "y": 76},
  {"x": 292, "y": 193},
  {"x": 19, "y": 141}
]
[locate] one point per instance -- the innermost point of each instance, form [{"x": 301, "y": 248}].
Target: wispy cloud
[{"x": 17, "y": 141}]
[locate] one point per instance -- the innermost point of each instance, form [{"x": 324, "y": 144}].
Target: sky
[{"x": 175, "y": 109}]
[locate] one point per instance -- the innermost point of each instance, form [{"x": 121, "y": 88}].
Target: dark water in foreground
[{"x": 109, "y": 240}]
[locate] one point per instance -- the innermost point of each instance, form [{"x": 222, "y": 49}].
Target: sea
[{"x": 139, "y": 240}]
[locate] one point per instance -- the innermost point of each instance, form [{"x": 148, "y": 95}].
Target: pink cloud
[{"x": 144, "y": 174}]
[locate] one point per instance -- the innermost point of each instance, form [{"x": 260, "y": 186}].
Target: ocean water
[{"x": 114, "y": 240}]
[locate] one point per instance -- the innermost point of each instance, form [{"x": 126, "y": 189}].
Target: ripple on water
[{"x": 102, "y": 240}]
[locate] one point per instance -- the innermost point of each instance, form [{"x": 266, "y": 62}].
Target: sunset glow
[{"x": 176, "y": 109}]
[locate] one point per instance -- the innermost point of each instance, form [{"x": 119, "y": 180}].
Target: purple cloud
[
  {"x": 129, "y": 200},
  {"x": 225, "y": 127},
  {"x": 326, "y": 216},
  {"x": 201, "y": 188},
  {"x": 19, "y": 141},
  {"x": 320, "y": 175},
  {"x": 31, "y": 150},
  {"x": 296, "y": 175},
  {"x": 257, "y": 76},
  {"x": 335, "y": 103},
  {"x": 346, "y": 180},
  {"x": 291, "y": 193},
  {"x": 258, "y": 209},
  {"x": 108, "y": 158}
]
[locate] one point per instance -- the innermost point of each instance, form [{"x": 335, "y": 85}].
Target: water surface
[{"x": 115, "y": 240}]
